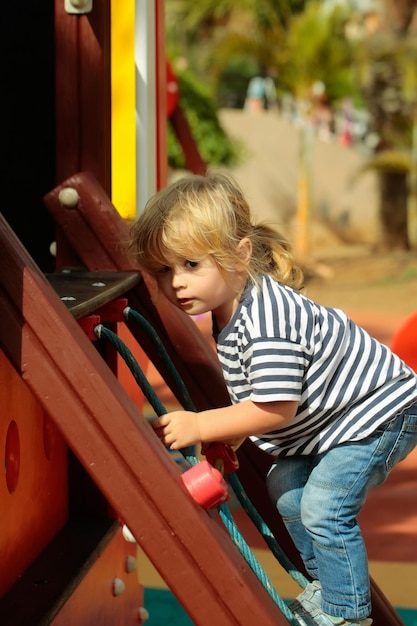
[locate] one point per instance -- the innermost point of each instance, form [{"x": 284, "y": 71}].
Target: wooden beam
[
  {"x": 189, "y": 548},
  {"x": 82, "y": 76}
]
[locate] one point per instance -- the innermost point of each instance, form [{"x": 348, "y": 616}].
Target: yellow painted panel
[{"x": 123, "y": 133}]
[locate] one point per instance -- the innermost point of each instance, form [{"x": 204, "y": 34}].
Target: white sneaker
[{"x": 307, "y": 609}]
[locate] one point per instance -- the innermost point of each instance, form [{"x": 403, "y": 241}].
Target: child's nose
[{"x": 177, "y": 279}]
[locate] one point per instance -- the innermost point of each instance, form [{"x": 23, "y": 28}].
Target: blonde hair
[{"x": 198, "y": 216}]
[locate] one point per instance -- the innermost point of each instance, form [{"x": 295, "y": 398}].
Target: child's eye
[
  {"x": 163, "y": 270},
  {"x": 191, "y": 264}
]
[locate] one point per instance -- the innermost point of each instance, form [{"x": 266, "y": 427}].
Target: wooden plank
[
  {"x": 51, "y": 578},
  {"x": 193, "y": 159},
  {"x": 99, "y": 236},
  {"x": 103, "y": 608},
  {"x": 84, "y": 292},
  {"x": 94, "y": 103},
  {"x": 82, "y": 100},
  {"x": 35, "y": 470},
  {"x": 89, "y": 225},
  {"x": 82, "y": 53},
  {"x": 120, "y": 451},
  {"x": 66, "y": 92}
]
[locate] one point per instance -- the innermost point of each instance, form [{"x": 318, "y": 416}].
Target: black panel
[{"x": 28, "y": 123}]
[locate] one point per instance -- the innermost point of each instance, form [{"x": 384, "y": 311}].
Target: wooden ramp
[
  {"x": 106, "y": 431},
  {"x": 120, "y": 452}
]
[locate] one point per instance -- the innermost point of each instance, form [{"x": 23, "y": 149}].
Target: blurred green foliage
[{"x": 200, "y": 110}]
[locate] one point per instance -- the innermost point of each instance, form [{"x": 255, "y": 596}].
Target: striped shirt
[{"x": 281, "y": 346}]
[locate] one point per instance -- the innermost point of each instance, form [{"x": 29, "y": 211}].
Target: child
[{"x": 334, "y": 408}]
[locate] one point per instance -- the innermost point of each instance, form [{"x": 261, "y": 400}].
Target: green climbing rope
[
  {"x": 104, "y": 333},
  {"x": 187, "y": 403},
  {"x": 181, "y": 390}
]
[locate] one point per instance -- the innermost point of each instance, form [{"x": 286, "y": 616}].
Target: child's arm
[{"x": 181, "y": 429}]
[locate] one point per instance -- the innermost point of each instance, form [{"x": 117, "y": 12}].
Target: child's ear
[{"x": 244, "y": 253}]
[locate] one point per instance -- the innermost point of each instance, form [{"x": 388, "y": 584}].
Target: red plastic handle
[
  {"x": 206, "y": 485},
  {"x": 221, "y": 456}
]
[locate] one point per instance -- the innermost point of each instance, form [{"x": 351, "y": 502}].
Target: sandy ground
[{"x": 367, "y": 282}]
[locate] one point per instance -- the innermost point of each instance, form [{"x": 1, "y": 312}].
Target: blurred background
[{"x": 312, "y": 104}]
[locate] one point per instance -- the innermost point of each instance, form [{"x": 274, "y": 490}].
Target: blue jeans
[{"x": 319, "y": 498}]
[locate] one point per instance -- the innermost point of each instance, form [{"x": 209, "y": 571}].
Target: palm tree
[
  {"x": 299, "y": 41},
  {"x": 302, "y": 44},
  {"x": 316, "y": 61},
  {"x": 387, "y": 71},
  {"x": 216, "y": 30}
]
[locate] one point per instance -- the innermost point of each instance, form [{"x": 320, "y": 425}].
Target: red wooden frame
[
  {"x": 191, "y": 354},
  {"x": 76, "y": 388},
  {"x": 120, "y": 451}
]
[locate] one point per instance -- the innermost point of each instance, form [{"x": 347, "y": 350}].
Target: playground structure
[{"x": 80, "y": 459}]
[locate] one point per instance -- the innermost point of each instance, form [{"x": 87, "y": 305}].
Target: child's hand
[
  {"x": 235, "y": 443},
  {"x": 178, "y": 429}
]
